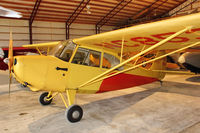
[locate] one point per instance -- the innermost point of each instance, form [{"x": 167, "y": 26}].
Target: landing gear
[
  {"x": 161, "y": 82},
  {"x": 24, "y": 85},
  {"x": 74, "y": 113},
  {"x": 44, "y": 98}
]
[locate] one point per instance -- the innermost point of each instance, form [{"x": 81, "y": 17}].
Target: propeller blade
[
  {"x": 10, "y": 57},
  {"x": 10, "y": 82},
  {"x": 10, "y": 52}
]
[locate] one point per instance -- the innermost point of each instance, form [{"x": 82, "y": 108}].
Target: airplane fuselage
[{"x": 54, "y": 73}]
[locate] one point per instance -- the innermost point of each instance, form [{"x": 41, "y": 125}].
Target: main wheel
[
  {"x": 74, "y": 113},
  {"x": 43, "y": 99}
]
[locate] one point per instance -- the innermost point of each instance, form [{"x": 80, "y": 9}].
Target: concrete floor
[{"x": 172, "y": 108}]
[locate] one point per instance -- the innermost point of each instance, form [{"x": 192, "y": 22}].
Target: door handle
[{"x": 63, "y": 69}]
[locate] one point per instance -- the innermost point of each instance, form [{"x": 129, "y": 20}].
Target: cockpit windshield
[{"x": 63, "y": 51}]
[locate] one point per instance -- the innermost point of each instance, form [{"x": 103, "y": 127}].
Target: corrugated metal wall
[
  {"x": 42, "y": 31},
  {"x": 19, "y": 28}
]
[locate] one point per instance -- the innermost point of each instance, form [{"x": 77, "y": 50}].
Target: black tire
[
  {"x": 43, "y": 98},
  {"x": 74, "y": 113},
  {"x": 24, "y": 85}
]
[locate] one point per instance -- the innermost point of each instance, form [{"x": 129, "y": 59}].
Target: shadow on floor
[
  {"x": 96, "y": 114},
  {"x": 181, "y": 88},
  {"x": 101, "y": 113},
  {"x": 194, "y": 79}
]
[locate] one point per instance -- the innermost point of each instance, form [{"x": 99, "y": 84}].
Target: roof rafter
[
  {"x": 151, "y": 9},
  {"x": 113, "y": 12},
  {"x": 77, "y": 11},
  {"x": 143, "y": 11},
  {"x": 75, "y": 14},
  {"x": 66, "y": 10},
  {"x": 145, "y": 19},
  {"x": 35, "y": 9},
  {"x": 31, "y": 19}
]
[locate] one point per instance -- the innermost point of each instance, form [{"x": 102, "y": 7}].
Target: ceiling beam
[
  {"x": 112, "y": 13},
  {"x": 154, "y": 8},
  {"x": 34, "y": 11},
  {"x": 66, "y": 10},
  {"x": 77, "y": 11},
  {"x": 145, "y": 10},
  {"x": 139, "y": 19},
  {"x": 74, "y": 15},
  {"x": 141, "y": 13},
  {"x": 32, "y": 17}
]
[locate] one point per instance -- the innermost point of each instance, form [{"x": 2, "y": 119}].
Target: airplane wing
[
  {"x": 42, "y": 48},
  {"x": 174, "y": 34},
  {"x": 17, "y": 51},
  {"x": 42, "y": 45},
  {"x": 143, "y": 36}
]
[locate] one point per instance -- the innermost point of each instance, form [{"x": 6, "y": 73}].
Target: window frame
[
  {"x": 56, "y": 53},
  {"x": 118, "y": 69},
  {"x": 89, "y": 49}
]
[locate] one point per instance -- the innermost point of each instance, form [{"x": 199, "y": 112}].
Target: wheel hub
[{"x": 75, "y": 114}]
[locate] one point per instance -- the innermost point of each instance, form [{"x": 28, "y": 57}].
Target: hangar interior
[
  {"x": 172, "y": 107},
  {"x": 49, "y": 19}
]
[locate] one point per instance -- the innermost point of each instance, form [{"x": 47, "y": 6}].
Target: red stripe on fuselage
[{"x": 122, "y": 81}]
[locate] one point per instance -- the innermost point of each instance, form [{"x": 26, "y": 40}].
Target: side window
[
  {"x": 110, "y": 61},
  {"x": 94, "y": 58},
  {"x": 87, "y": 57},
  {"x": 81, "y": 56}
]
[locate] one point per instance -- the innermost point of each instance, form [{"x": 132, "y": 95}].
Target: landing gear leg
[
  {"x": 161, "y": 82},
  {"x": 45, "y": 98},
  {"x": 73, "y": 113}
]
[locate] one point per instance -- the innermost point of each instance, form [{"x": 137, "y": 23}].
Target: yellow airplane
[{"x": 104, "y": 62}]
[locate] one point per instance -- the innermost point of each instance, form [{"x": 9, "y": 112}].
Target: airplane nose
[
  {"x": 31, "y": 70},
  {"x": 18, "y": 68},
  {"x": 41, "y": 72}
]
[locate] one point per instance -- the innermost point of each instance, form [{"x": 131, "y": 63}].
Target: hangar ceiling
[{"x": 98, "y": 12}]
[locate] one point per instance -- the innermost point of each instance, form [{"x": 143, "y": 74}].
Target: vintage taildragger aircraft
[{"x": 104, "y": 62}]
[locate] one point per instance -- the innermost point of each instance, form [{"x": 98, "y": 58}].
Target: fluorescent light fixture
[
  {"x": 4, "y": 12},
  {"x": 88, "y": 9}
]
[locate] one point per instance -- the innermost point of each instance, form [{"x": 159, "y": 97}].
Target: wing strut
[
  {"x": 149, "y": 61},
  {"x": 122, "y": 49},
  {"x": 137, "y": 55}
]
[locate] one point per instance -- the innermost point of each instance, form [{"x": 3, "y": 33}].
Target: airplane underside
[{"x": 123, "y": 81}]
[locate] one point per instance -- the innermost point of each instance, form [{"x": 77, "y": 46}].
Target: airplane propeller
[{"x": 10, "y": 57}]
